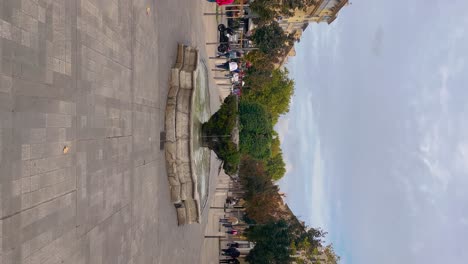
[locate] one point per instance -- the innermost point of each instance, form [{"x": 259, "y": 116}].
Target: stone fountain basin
[{"x": 179, "y": 142}]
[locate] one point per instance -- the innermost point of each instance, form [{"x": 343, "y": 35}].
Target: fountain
[{"x": 187, "y": 161}]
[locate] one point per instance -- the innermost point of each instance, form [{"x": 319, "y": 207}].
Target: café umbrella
[{"x": 224, "y": 2}]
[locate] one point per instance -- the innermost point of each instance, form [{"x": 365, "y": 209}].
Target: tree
[
  {"x": 217, "y": 133},
  {"x": 275, "y": 93},
  {"x": 254, "y": 178},
  {"x": 260, "y": 60},
  {"x": 332, "y": 257},
  {"x": 262, "y": 201},
  {"x": 276, "y": 168},
  {"x": 271, "y": 39},
  {"x": 272, "y": 243},
  {"x": 306, "y": 239},
  {"x": 275, "y": 144},
  {"x": 265, "y": 207},
  {"x": 256, "y": 130},
  {"x": 265, "y": 11}
]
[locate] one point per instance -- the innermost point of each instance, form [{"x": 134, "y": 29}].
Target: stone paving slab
[{"x": 90, "y": 77}]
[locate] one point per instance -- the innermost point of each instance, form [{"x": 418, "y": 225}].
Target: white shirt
[{"x": 233, "y": 66}]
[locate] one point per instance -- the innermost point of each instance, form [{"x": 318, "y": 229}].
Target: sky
[{"x": 376, "y": 140}]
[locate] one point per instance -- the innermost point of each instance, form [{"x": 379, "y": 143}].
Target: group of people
[
  {"x": 232, "y": 252},
  {"x": 231, "y": 201},
  {"x": 236, "y": 73}
]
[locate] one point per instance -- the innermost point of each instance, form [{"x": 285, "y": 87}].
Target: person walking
[
  {"x": 229, "y": 251},
  {"x": 229, "y": 54},
  {"x": 232, "y": 232},
  {"x": 234, "y": 244},
  {"x": 228, "y": 66}
]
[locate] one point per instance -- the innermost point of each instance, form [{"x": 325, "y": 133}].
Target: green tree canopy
[
  {"x": 275, "y": 93},
  {"x": 256, "y": 130},
  {"x": 271, "y": 39},
  {"x": 272, "y": 243},
  {"x": 275, "y": 166},
  {"x": 217, "y": 131},
  {"x": 260, "y": 61}
]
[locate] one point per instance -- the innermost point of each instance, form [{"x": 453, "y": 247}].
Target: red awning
[{"x": 224, "y": 2}]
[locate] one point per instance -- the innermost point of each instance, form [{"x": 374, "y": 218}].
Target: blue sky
[{"x": 376, "y": 141}]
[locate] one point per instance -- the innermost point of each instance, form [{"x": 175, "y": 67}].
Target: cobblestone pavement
[{"x": 83, "y": 86}]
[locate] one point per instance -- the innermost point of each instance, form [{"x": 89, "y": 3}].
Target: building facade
[{"x": 321, "y": 11}]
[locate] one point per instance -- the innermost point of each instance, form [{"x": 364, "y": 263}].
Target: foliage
[
  {"x": 230, "y": 156},
  {"x": 262, "y": 198},
  {"x": 265, "y": 9},
  {"x": 275, "y": 93},
  {"x": 255, "y": 130},
  {"x": 264, "y": 207},
  {"x": 275, "y": 144},
  {"x": 309, "y": 241},
  {"x": 299, "y": 4},
  {"x": 271, "y": 39},
  {"x": 277, "y": 240},
  {"x": 332, "y": 257},
  {"x": 253, "y": 177},
  {"x": 260, "y": 60},
  {"x": 272, "y": 241},
  {"x": 276, "y": 168},
  {"x": 217, "y": 133}
]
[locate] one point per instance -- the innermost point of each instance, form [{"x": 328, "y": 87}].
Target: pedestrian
[
  {"x": 232, "y": 232},
  {"x": 229, "y": 199},
  {"x": 229, "y": 54},
  {"x": 228, "y": 66},
  {"x": 234, "y": 245},
  {"x": 234, "y": 79},
  {"x": 233, "y": 252}
]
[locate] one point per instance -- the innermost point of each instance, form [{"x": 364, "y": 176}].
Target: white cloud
[
  {"x": 282, "y": 127},
  {"x": 289, "y": 166},
  {"x": 320, "y": 204},
  {"x": 396, "y": 138}
]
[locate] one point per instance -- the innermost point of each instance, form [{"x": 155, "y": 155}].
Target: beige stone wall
[{"x": 178, "y": 128}]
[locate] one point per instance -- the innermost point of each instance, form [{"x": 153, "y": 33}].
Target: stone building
[{"x": 321, "y": 11}]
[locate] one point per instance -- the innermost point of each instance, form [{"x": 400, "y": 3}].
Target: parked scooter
[{"x": 226, "y": 35}]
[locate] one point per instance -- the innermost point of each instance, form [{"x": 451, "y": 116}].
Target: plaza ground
[{"x": 83, "y": 87}]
